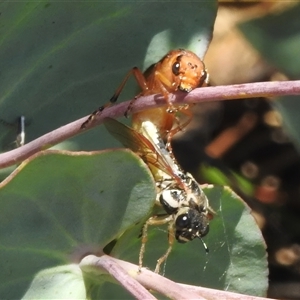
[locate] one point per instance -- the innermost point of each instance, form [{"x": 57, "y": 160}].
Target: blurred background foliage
[{"x": 253, "y": 145}]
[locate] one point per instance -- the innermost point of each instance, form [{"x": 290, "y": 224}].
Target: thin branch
[
  {"x": 92, "y": 263},
  {"x": 206, "y": 94},
  {"x": 155, "y": 282},
  {"x": 216, "y": 294},
  {"x": 121, "y": 270}
]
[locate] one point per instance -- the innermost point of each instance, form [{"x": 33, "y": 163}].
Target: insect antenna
[{"x": 204, "y": 245}]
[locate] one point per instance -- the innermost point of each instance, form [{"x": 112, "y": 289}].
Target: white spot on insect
[{"x": 171, "y": 197}]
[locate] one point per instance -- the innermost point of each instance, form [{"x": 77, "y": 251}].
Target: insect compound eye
[
  {"x": 182, "y": 221},
  {"x": 182, "y": 225},
  {"x": 176, "y": 68}
]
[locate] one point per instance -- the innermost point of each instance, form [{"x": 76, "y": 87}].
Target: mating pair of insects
[{"x": 186, "y": 207}]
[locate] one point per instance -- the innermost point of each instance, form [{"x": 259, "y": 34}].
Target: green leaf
[
  {"x": 237, "y": 259},
  {"x": 59, "y": 206},
  {"x": 63, "y": 282},
  {"x": 60, "y": 60},
  {"x": 52, "y": 216}
]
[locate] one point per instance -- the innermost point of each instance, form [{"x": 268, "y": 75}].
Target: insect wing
[{"x": 137, "y": 143}]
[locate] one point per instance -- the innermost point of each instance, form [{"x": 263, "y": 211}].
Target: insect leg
[
  {"x": 141, "y": 80},
  {"x": 171, "y": 242},
  {"x": 155, "y": 220},
  {"x": 165, "y": 86},
  {"x": 144, "y": 241},
  {"x": 186, "y": 111},
  {"x": 138, "y": 75}
]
